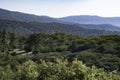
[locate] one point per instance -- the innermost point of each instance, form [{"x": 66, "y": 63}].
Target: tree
[
  {"x": 5, "y": 41},
  {"x": 28, "y": 71},
  {"x": 13, "y": 41},
  {"x": 32, "y": 43}
]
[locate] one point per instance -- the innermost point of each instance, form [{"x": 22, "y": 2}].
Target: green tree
[
  {"x": 32, "y": 43},
  {"x": 28, "y": 71},
  {"x": 13, "y": 41},
  {"x": 5, "y": 41}
]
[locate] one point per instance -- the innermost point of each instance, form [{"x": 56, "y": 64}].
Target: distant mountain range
[
  {"x": 86, "y": 19},
  {"x": 83, "y": 19},
  {"x": 23, "y": 23}
]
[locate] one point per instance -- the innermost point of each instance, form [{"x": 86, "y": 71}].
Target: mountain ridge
[
  {"x": 24, "y": 17},
  {"x": 50, "y": 28},
  {"x": 87, "y": 19},
  {"x": 19, "y": 16}
]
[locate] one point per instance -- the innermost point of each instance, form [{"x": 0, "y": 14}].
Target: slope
[
  {"x": 86, "y": 19},
  {"x": 18, "y": 16},
  {"x": 49, "y": 28}
]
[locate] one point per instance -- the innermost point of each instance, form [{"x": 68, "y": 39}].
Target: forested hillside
[
  {"x": 106, "y": 27},
  {"x": 90, "y": 22},
  {"x": 59, "y": 57},
  {"x": 50, "y": 28},
  {"x": 18, "y": 16}
]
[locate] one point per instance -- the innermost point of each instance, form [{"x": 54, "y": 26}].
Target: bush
[{"x": 59, "y": 70}]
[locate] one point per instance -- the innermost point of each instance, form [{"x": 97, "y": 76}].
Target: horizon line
[{"x": 61, "y": 16}]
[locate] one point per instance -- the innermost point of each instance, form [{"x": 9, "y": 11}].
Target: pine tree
[
  {"x": 13, "y": 41},
  {"x": 5, "y": 41}
]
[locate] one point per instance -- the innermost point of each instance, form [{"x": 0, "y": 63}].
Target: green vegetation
[
  {"x": 51, "y": 28},
  {"x": 59, "y": 70},
  {"x": 59, "y": 57}
]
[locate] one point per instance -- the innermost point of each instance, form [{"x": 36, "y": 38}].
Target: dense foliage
[
  {"x": 34, "y": 51},
  {"x": 53, "y": 57},
  {"x": 59, "y": 70}
]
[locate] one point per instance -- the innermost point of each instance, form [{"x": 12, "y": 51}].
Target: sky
[{"x": 62, "y": 8}]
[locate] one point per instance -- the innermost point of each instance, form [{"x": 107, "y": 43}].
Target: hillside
[
  {"x": 59, "y": 39},
  {"x": 86, "y": 19},
  {"x": 58, "y": 57},
  {"x": 106, "y": 27},
  {"x": 12, "y": 15},
  {"x": 49, "y": 28},
  {"x": 100, "y": 23}
]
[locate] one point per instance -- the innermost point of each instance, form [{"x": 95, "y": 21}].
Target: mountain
[
  {"x": 49, "y": 28},
  {"x": 91, "y": 22},
  {"x": 86, "y": 19},
  {"x": 106, "y": 27},
  {"x": 18, "y": 16}
]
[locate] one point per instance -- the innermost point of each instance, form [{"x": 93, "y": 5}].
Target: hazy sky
[{"x": 60, "y": 8}]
